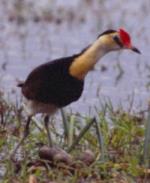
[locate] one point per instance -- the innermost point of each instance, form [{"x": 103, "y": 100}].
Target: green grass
[{"x": 122, "y": 141}]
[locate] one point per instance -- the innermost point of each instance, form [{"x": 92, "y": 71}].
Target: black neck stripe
[{"x": 117, "y": 40}]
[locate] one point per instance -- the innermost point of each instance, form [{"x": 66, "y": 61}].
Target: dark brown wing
[{"x": 51, "y": 83}]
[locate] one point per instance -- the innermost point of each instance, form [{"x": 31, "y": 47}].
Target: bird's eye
[{"x": 117, "y": 40}]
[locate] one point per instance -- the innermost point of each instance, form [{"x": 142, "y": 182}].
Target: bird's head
[{"x": 116, "y": 40}]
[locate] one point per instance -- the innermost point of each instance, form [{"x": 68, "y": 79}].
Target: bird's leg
[
  {"x": 64, "y": 119},
  {"x": 26, "y": 133},
  {"x": 46, "y": 122}
]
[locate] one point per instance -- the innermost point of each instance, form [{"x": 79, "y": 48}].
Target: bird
[{"x": 60, "y": 82}]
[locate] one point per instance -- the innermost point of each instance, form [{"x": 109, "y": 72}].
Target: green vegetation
[
  {"x": 124, "y": 151},
  {"x": 122, "y": 142}
]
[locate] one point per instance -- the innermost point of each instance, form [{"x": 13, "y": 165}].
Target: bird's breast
[{"x": 70, "y": 91}]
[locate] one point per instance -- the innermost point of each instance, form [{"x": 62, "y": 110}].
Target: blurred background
[{"x": 34, "y": 32}]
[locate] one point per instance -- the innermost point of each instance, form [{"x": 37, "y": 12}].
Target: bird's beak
[{"x": 135, "y": 49}]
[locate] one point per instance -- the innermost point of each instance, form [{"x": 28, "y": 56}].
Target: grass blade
[
  {"x": 146, "y": 153},
  {"x": 85, "y": 129}
]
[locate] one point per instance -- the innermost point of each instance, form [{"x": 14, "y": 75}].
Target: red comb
[{"x": 125, "y": 37}]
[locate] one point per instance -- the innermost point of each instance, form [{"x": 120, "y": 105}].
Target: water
[{"x": 72, "y": 26}]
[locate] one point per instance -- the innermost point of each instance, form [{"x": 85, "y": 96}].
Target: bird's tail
[{"x": 20, "y": 84}]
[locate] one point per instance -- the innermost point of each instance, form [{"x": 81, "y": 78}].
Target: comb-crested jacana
[{"x": 60, "y": 82}]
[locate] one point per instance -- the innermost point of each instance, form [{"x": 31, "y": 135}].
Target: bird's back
[{"x": 52, "y": 83}]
